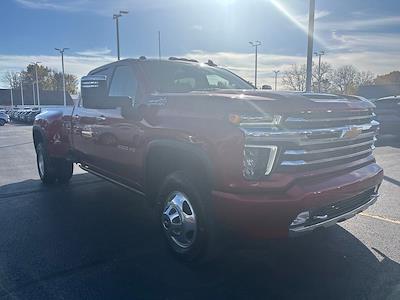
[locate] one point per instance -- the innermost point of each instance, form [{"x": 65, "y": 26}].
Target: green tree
[
  {"x": 48, "y": 79},
  {"x": 391, "y": 78}
]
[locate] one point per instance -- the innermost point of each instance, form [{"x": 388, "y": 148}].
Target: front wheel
[
  {"x": 2, "y": 122},
  {"x": 187, "y": 228}
]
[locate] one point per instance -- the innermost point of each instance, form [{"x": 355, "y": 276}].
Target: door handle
[{"x": 101, "y": 119}]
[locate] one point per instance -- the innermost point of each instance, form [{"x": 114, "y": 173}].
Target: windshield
[{"x": 178, "y": 77}]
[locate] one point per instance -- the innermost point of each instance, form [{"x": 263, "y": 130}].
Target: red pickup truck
[{"x": 214, "y": 155}]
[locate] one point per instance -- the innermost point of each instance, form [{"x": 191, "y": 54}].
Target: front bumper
[
  {"x": 324, "y": 221},
  {"x": 270, "y": 214}
]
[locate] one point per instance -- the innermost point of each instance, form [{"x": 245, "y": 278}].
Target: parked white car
[{"x": 4, "y": 118}]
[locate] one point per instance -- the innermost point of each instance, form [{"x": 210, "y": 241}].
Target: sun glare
[{"x": 294, "y": 20}]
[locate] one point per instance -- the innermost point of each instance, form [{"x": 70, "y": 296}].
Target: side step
[{"x": 87, "y": 169}]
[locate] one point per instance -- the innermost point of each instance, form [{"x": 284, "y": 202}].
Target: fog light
[
  {"x": 258, "y": 160},
  {"x": 301, "y": 218}
]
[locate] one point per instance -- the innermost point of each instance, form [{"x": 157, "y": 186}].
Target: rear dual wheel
[{"x": 52, "y": 169}]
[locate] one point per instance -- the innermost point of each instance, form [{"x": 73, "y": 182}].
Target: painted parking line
[{"x": 380, "y": 218}]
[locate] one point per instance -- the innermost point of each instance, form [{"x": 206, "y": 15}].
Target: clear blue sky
[{"x": 362, "y": 32}]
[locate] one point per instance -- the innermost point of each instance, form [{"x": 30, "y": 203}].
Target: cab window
[{"x": 124, "y": 82}]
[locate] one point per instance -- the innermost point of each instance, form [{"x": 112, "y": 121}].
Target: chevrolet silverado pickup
[{"x": 212, "y": 154}]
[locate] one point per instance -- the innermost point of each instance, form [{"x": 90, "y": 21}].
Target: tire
[
  {"x": 52, "y": 169},
  {"x": 65, "y": 170},
  {"x": 187, "y": 227},
  {"x": 2, "y": 122}
]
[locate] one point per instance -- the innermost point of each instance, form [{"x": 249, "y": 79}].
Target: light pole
[
  {"x": 319, "y": 54},
  {"x": 61, "y": 50},
  {"x": 11, "y": 94},
  {"x": 276, "y": 78},
  {"x": 116, "y": 18},
  {"x": 255, "y": 44},
  {"x": 33, "y": 93},
  {"x": 22, "y": 89},
  {"x": 310, "y": 45},
  {"x": 159, "y": 45},
  {"x": 37, "y": 82}
]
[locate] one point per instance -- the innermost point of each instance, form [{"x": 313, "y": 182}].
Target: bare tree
[
  {"x": 322, "y": 77},
  {"x": 295, "y": 77},
  {"x": 344, "y": 80},
  {"x": 365, "y": 78},
  {"x": 11, "y": 79}
]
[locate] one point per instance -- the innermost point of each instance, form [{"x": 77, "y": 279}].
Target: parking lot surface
[{"x": 93, "y": 240}]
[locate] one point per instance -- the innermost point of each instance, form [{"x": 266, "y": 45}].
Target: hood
[{"x": 263, "y": 101}]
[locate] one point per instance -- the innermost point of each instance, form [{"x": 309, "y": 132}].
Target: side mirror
[{"x": 94, "y": 91}]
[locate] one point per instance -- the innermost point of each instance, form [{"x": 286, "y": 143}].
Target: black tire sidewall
[
  {"x": 48, "y": 175},
  {"x": 2, "y": 122}
]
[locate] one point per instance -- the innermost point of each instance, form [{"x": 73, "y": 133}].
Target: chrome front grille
[
  {"x": 334, "y": 138},
  {"x": 309, "y": 141}
]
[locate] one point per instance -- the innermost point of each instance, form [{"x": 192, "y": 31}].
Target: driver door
[{"x": 117, "y": 137}]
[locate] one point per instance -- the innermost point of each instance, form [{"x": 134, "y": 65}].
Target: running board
[{"x": 87, "y": 169}]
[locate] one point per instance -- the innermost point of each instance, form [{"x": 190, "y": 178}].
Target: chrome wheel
[
  {"x": 179, "y": 220},
  {"x": 41, "y": 163}
]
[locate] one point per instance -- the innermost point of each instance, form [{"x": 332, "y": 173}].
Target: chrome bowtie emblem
[{"x": 351, "y": 132}]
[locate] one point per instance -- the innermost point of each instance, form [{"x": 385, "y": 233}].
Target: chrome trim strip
[
  {"x": 296, "y": 120},
  {"x": 295, "y": 231},
  {"x": 302, "y": 142},
  {"x": 306, "y": 163},
  {"x": 271, "y": 158},
  {"x": 303, "y": 152},
  {"x": 87, "y": 169},
  {"x": 305, "y": 133}
]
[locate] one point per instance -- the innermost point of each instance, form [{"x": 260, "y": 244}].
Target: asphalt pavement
[{"x": 93, "y": 240}]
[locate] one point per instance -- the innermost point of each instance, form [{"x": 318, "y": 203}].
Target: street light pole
[
  {"x": 61, "y": 50},
  {"x": 37, "y": 82},
  {"x": 116, "y": 18},
  {"x": 310, "y": 45},
  {"x": 255, "y": 45},
  {"x": 276, "y": 78},
  {"x": 33, "y": 93},
  {"x": 22, "y": 89},
  {"x": 159, "y": 45},
  {"x": 12, "y": 95},
  {"x": 319, "y": 54}
]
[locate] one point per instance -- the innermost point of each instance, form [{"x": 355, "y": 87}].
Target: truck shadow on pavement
[{"x": 91, "y": 239}]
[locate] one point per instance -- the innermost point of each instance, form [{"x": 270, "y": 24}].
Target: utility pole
[
  {"x": 319, "y": 54},
  {"x": 61, "y": 50},
  {"x": 116, "y": 18},
  {"x": 276, "y": 78},
  {"x": 310, "y": 45},
  {"x": 255, "y": 44},
  {"x": 37, "y": 82},
  {"x": 159, "y": 45}
]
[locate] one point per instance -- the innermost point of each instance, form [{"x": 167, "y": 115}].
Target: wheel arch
[{"x": 166, "y": 156}]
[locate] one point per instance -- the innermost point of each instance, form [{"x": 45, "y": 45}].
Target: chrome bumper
[{"x": 300, "y": 230}]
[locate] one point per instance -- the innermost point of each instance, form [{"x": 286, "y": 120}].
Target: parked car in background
[
  {"x": 388, "y": 114},
  {"x": 4, "y": 118}
]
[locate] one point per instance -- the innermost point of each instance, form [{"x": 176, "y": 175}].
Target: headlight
[
  {"x": 262, "y": 120},
  {"x": 258, "y": 161}
]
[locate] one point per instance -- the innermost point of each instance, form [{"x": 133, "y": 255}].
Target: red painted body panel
[
  {"x": 269, "y": 214},
  {"x": 118, "y": 147}
]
